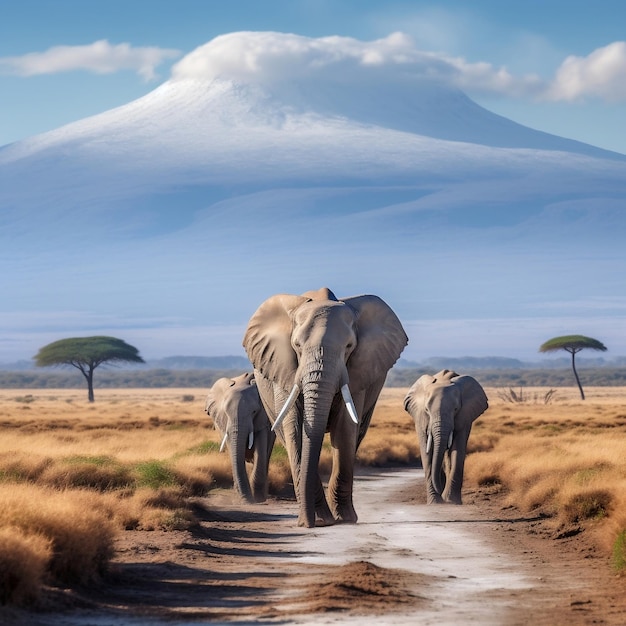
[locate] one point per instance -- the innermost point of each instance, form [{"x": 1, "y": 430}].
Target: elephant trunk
[
  {"x": 238, "y": 446},
  {"x": 320, "y": 384},
  {"x": 441, "y": 433}
]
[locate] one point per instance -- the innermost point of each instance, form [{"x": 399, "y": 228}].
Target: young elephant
[
  {"x": 444, "y": 406},
  {"x": 238, "y": 414}
]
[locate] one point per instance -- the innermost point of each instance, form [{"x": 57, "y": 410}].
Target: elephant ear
[
  {"x": 415, "y": 399},
  {"x": 473, "y": 398},
  {"x": 213, "y": 402},
  {"x": 267, "y": 340},
  {"x": 380, "y": 341}
]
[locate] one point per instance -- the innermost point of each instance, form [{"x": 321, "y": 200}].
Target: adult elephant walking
[
  {"x": 239, "y": 415},
  {"x": 444, "y": 407},
  {"x": 320, "y": 364}
]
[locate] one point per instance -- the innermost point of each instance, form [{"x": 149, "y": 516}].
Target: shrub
[
  {"x": 24, "y": 559},
  {"x": 80, "y": 533},
  {"x": 591, "y": 504},
  {"x": 99, "y": 473}
]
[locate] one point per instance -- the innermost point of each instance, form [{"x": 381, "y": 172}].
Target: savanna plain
[{"x": 93, "y": 494}]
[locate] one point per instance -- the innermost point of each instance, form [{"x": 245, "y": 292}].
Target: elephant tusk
[
  {"x": 290, "y": 401},
  {"x": 450, "y": 439},
  {"x": 250, "y": 440},
  {"x": 223, "y": 442},
  {"x": 429, "y": 443},
  {"x": 347, "y": 398}
]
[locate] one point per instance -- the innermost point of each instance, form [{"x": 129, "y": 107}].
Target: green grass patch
[
  {"x": 98, "y": 461},
  {"x": 155, "y": 474},
  {"x": 619, "y": 552},
  {"x": 279, "y": 453},
  {"x": 206, "y": 447}
]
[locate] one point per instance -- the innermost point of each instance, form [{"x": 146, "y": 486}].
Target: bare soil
[{"x": 479, "y": 563}]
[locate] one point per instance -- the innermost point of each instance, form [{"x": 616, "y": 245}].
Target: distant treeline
[
  {"x": 204, "y": 378},
  {"x": 113, "y": 379},
  {"x": 590, "y": 377}
]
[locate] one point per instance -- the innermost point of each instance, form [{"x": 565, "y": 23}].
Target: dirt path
[{"x": 402, "y": 563}]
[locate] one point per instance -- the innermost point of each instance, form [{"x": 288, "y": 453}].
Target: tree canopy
[
  {"x": 87, "y": 353},
  {"x": 573, "y": 344}
]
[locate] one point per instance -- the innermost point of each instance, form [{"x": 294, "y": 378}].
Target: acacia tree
[
  {"x": 86, "y": 353},
  {"x": 573, "y": 344}
]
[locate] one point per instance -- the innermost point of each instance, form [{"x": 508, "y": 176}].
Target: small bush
[
  {"x": 23, "y": 562},
  {"x": 99, "y": 473},
  {"x": 586, "y": 505},
  {"x": 510, "y": 395},
  {"x": 25, "y": 399},
  {"x": 80, "y": 533},
  {"x": 22, "y": 467}
]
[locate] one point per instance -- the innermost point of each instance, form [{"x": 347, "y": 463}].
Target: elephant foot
[
  {"x": 318, "y": 522},
  {"x": 434, "y": 499},
  {"x": 346, "y": 515},
  {"x": 259, "y": 497}
]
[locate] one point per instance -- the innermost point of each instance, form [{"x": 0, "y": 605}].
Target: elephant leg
[
  {"x": 323, "y": 514},
  {"x": 258, "y": 476},
  {"x": 292, "y": 440},
  {"x": 454, "y": 483},
  {"x": 343, "y": 438},
  {"x": 432, "y": 497}
]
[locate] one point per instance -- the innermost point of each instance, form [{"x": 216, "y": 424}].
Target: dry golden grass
[
  {"x": 566, "y": 459},
  {"x": 63, "y": 536},
  {"x": 72, "y": 474},
  {"x": 71, "y": 471},
  {"x": 391, "y": 437}
]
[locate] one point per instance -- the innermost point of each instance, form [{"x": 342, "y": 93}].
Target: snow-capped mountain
[{"x": 228, "y": 183}]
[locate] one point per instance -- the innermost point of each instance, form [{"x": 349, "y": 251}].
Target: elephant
[
  {"x": 239, "y": 415},
  {"x": 320, "y": 364},
  {"x": 444, "y": 407}
]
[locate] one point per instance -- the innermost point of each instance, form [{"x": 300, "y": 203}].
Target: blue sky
[{"x": 52, "y": 73}]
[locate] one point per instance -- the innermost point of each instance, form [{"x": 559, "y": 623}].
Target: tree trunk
[
  {"x": 582, "y": 393},
  {"x": 88, "y": 374}
]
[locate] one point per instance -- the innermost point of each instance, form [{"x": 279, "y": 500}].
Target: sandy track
[{"x": 403, "y": 562}]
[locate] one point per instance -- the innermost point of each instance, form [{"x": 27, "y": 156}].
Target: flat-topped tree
[
  {"x": 573, "y": 344},
  {"x": 86, "y": 353}
]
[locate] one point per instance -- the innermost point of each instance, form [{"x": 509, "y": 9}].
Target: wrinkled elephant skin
[
  {"x": 320, "y": 363},
  {"x": 444, "y": 407},
  {"x": 239, "y": 415}
]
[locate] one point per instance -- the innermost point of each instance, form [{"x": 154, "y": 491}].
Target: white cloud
[
  {"x": 100, "y": 57},
  {"x": 270, "y": 56},
  {"x": 267, "y": 57},
  {"x": 601, "y": 74}
]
